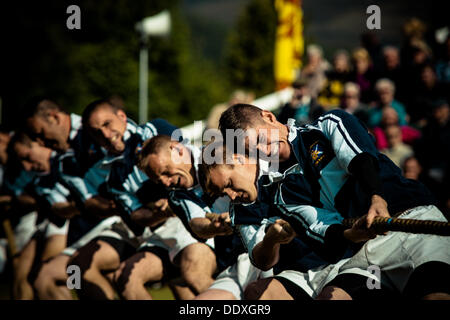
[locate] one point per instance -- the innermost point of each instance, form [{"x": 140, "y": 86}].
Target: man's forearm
[
  {"x": 148, "y": 218},
  {"x": 65, "y": 210},
  {"x": 99, "y": 207},
  {"x": 266, "y": 254},
  {"x": 203, "y": 228}
]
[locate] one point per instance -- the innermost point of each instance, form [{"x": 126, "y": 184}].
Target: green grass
[{"x": 157, "y": 293}]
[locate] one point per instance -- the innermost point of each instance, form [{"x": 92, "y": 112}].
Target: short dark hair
[
  {"x": 18, "y": 137},
  {"x": 239, "y": 116},
  {"x": 151, "y": 146},
  {"x": 93, "y": 106},
  {"x": 204, "y": 168},
  {"x": 38, "y": 106}
]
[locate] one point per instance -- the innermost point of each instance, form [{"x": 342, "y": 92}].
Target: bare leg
[
  {"x": 267, "y": 289},
  {"x": 53, "y": 246},
  {"x": 198, "y": 263},
  {"x": 51, "y": 281},
  {"x": 181, "y": 290},
  {"x": 22, "y": 289},
  {"x": 216, "y": 294},
  {"x": 94, "y": 259},
  {"x": 437, "y": 296},
  {"x": 333, "y": 293},
  {"x": 135, "y": 272}
]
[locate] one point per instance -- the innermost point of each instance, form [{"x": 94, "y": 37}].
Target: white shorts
[
  {"x": 171, "y": 236},
  {"x": 313, "y": 281},
  {"x": 235, "y": 278},
  {"x": 54, "y": 230},
  {"x": 397, "y": 254},
  {"x": 104, "y": 228},
  {"x": 25, "y": 229}
]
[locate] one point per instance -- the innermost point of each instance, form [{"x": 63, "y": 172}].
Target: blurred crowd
[{"x": 400, "y": 92}]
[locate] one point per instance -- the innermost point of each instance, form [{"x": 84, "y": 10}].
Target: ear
[
  {"x": 53, "y": 117},
  {"x": 176, "y": 146},
  {"x": 268, "y": 117},
  {"x": 121, "y": 115}
]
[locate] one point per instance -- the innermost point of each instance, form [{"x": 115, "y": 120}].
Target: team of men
[{"x": 254, "y": 214}]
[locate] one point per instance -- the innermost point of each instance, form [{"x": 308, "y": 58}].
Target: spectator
[
  {"x": 390, "y": 117},
  {"x": 314, "y": 71},
  {"x": 443, "y": 65},
  {"x": 238, "y": 96},
  {"x": 385, "y": 90},
  {"x": 397, "y": 151},
  {"x": 434, "y": 148},
  {"x": 352, "y": 104},
  {"x": 392, "y": 70},
  {"x": 413, "y": 31},
  {"x": 411, "y": 168},
  {"x": 371, "y": 42},
  {"x": 425, "y": 95},
  {"x": 333, "y": 91},
  {"x": 302, "y": 107},
  {"x": 363, "y": 74}
]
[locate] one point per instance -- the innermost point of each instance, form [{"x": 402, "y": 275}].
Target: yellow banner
[{"x": 289, "y": 44}]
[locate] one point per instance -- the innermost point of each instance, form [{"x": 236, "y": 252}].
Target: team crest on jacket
[{"x": 317, "y": 153}]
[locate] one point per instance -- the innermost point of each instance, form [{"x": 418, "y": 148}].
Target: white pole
[{"x": 143, "y": 83}]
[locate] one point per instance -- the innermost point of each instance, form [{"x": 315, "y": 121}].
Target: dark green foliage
[{"x": 249, "y": 54}]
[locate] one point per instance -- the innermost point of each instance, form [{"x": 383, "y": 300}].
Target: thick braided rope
[{"x": 381, "y": 224}]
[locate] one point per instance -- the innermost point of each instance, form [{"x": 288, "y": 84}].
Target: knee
[
  {"x": 251, "y": 292},
  {"x": 197, "y": 259},
  {"x": 43, "y": 278},
  {"x": 255, "y": 290},
  {"x": 133, "y": 273},
  {"x": 333, "y": 293},
  {"x": 84, "y": 257}
]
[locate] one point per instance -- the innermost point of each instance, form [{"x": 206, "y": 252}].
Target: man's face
[
  {"x": 386, "y": 95},
  {"x": 389, "y": 116},
  {"x": 341, "y": 63},
  {"x": 171, "y": 167},
  {"x": 442, "y": 114},
  {"x": 391, "y": 59},
  {"x": 238, "y": 182},
  {"x": 393, "y": 135},
  {"x": 270, "y": 137},
  {"x": 108, "y": 127},
  {"x": 412, "y": 169},
  {"x": 34, "y": 157},
  {"x": 351, "y": 98},
  {"x": 50, "y": 129}
]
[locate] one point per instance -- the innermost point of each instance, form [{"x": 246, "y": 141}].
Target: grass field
[{"x": 158, "y": 293}]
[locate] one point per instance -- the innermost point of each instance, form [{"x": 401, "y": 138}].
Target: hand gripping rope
[{"x": 382, "y": 224}]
